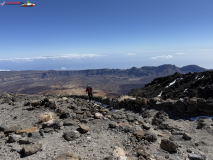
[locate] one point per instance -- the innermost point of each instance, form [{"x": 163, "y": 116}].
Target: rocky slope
[
  {"x": 59, "y": 128},
  {"x": 179, "y": 86},
  {"x": 163, "y": 70}
]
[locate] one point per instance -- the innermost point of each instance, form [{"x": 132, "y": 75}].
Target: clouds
[
  {"x": 63, "y": 68},
  {"x": 4, "y": 70},
  {"x": 130, "y": 54},
  {"x": 63, "y": 56},
  {"x": 162, "y": 57},
  {"x": 180, "y": 53}
]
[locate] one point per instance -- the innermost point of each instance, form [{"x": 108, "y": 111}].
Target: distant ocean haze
[{"x": 111, "y": 61}]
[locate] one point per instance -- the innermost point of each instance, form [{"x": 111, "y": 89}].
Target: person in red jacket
[{"x": 89, "y": 90}]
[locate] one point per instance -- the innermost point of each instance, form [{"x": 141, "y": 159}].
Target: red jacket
[{"x": 89, "y": 90}]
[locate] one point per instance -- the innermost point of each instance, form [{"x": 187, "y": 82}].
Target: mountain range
[
  {"x": 159, "y": 71},
  {"x": 106, "y": 82}
]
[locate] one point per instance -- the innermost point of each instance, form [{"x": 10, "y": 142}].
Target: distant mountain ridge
[{"x": 159, "y": 71}]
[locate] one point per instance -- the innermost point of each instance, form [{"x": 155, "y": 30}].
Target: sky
[{"x": 96, "y": 34}]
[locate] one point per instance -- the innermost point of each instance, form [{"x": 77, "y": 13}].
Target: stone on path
[
  {"x": 150, "y": 136},
  {"x": 139, "y": 134},
  {"x": 34, "y": 135},
  {"x": 98, "y": 115},
  {"x": 27, "y": 130},
  {"x": 72, "y": 135},
  {"x": 48, "y": 130},
  {"x": 187, "y": 136},
  {"x": 117, "y": 152},
  {"x": 3, "y": 127},
  {"x": 48, "y": 123},
  {"x": 168, "y": 145},
  {"x": 122, "y": 158},
  {"x": 143, "y": 153},
  {"x": 12, "y": 129},
  {"x": 146, "y": 126},
  {"x": 27, "y": 140},
  {"x": 112, "y": 124},
  {"x": 84, "y": 128},
  {"x": 175, "y": 158},
  {"x": 203, "y": 123},
  {"x": 64, "y": 98},
  {"x": 14, "y": 138},
  {"x": 31, "y": 149},
  {"x": 196, "y": 157},
  {"x": 64, "y": 156}
]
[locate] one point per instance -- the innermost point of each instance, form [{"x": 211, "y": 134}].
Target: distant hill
[
  {"x": 192, "y": 68},
  {"x": 197, "y": 84}
]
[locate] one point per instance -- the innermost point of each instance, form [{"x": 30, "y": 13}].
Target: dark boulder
[
  {"x": 51, "y": 105},
  {"x": 151, "y": 137},
  {"x": 180, "y": 105},
  {"x": 205, "y": 92},
  {"x": 72, "y": 135},
  {"x": 168, "y": 145},
  {"x": 200, "y": 104},
  {"x": 208, "y": 108}
]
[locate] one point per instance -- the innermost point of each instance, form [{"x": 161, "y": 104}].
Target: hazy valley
[{"x": 106, "y": 82}]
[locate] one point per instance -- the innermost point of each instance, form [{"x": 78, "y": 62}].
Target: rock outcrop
[{"x": 197, "y": 84}]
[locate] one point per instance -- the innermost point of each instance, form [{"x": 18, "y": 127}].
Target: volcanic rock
[
  {"x": 27, "y": 130},
  {"x": 151, "y": 137},
  {"x": 69, "y": 122},
  {"x": 139, "y": 134},
  {"x": 146, "y": 126},
  {"x": 27, "y": 140},
  {"x": 34, "y": 135},
  {"x": 14, "y": 138},
  {"x": 64, "y": 156},
  {"x": 187, "y": 136},
  {"x": 196, "y": 157},
  {"x": 208, "y": 107},
  {"x": 98, "y": 115},
  {"x": 12, "y": 129},
  {"x": 118, "y": 152},
  {"x": 192, "y": 100},
  {"x": 31, "y": 149},
  {"x": 168, "y": 145},
  {"x": 180, "y": 105},
  {"x": 84, "y": 128},
  {"x": 3, "y": 127},
  {"x": 72, "y": 135},
  {"x": 1, "y": 134},
  {"x": 205, "y": 92},
  {"x": 143, "y": 153},
  {"x": 112, "y": 124}
]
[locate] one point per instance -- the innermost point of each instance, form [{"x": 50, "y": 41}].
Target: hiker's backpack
[{"x": 90, "y": 89}]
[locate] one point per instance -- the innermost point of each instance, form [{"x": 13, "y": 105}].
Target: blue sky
[{"x": 92, "y": 34}]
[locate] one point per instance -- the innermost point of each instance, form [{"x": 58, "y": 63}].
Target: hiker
[{"x": 89, "y": 90}]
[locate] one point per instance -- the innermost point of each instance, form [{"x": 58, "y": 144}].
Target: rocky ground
[
  {"x": 197, "y": 84},
  {"x": 58, "y": 128}
]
